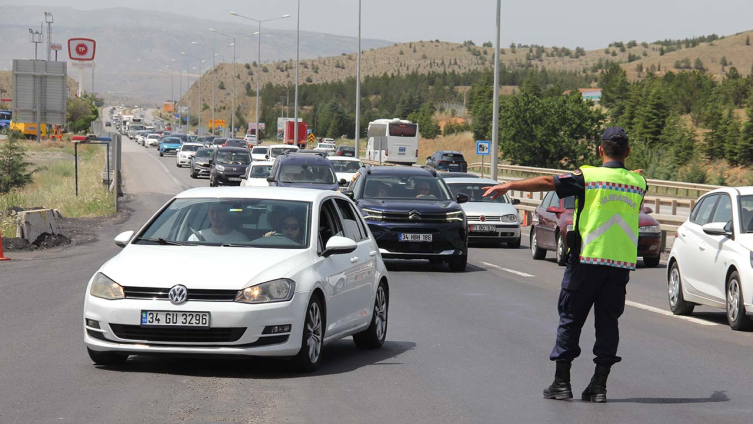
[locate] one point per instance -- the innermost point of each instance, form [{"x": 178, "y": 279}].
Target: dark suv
[
  {"x": 444, "y": 160},
  {"x": 412, "y": 214},
  {"x": 228, "y": 166},
  {"x": 303, "y": 171}
]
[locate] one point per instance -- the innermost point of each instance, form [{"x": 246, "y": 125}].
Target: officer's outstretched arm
[{"x": 545, "y": 183}]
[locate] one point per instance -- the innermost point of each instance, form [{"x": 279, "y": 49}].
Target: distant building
[{"x": 593, "y": 94}]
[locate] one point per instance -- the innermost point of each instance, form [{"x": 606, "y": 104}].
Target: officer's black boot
[
  {"x": 560, "y": 388},
  {"x": 597, "y": 388}
]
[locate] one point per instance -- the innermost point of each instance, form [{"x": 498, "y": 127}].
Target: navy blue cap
[{"x": 614, "y": 132}]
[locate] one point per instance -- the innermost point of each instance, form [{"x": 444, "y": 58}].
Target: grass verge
[{"x": 54, "y": 184}]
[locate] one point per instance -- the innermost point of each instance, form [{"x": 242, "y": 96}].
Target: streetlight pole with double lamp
[
  {"x": 214, "y": 80},
  {"x": 232, "y": 114},
  {"x": 358, "y": 83},
  {"x": 258, "y": 63},
  {"x": 198, "y": 108}
]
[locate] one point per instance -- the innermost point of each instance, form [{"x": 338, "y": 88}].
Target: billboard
[
  {"x": 217, "y": 123},
  {"x": 252, "y": 127},
  {"x": 39, "y": 85},
  {"x": 81, "y": 48},
  {"x": 168, "y": 107}
]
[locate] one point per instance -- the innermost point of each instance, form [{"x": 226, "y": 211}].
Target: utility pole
[
  {"x": 358, "y": 83},
  {"x": 49, "y": 19},
  {"x": 495, "y": 122},
  {"x": 297, "y": 51}
]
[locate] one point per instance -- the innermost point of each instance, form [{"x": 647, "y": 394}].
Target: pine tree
[
  {"x": 13, "y": 165},
  {"x": 651, "y": 117},
  {"x": 678, "y": 140},
  {"x": 745, "y": 140},
  {"x": 532, "y": 84},
  {"x": 747, "y": 40}
]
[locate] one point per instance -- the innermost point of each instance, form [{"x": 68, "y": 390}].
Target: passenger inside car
[
  {"x": 291, "y": 227},
  {"x": 219, "y": 231}
]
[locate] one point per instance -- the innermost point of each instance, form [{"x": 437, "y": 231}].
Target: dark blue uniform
[{"x": 584, "y": 286}]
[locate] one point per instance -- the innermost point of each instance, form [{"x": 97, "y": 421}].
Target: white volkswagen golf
[
  {"x": 240, "y": 271},
  {"x": 711, "y": 262}
]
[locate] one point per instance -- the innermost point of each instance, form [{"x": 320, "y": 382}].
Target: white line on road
[
  {"x": 511, "y": 271},
  {"x": 168, "y": 171},
  {"x": 667, "y": 313}
]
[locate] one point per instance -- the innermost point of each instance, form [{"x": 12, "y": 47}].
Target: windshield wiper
[
  {"x": 166, "y": 242},
  {"x": 235, "y": 245}
]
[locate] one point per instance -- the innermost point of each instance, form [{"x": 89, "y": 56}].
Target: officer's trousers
[{"x": 584, "y": 286}]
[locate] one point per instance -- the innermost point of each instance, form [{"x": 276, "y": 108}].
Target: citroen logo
[
  {"x": 414, "y": 215},
  {"x": 178, "y": 294}
]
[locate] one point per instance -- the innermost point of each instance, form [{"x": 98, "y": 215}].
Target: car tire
[
  {"x": 651, "y": 262},
  {"x": 560, "y": 252},
  {"x": 374, "y": 336},
  {"x": 193, "y": 175},
  {"x": 736, "y": 316},
  {"x": 107, "y": 358},
  {"x": 312, "y": 339},
  {"x": 459, "y": 264},
  {"x": 536, "y": 252},
  {"x": 514, "y": 244},
  {"x": 677, "y": 303},
  {"x": 161, "y": 154}
]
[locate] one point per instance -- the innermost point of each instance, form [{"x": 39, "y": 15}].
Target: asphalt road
[{"x": 470, "y": 347}]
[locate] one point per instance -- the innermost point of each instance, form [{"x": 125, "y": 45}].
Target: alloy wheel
[
  {"x": 380, "y": 313},
  {"x": 314, "y": 331},
  {"x": 533, "y": 241},
  {"x": 674, "y": 286},
  {"x": 733, "y": 299}
]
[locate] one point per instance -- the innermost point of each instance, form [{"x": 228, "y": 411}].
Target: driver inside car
[{"x": 219, "y": 231}]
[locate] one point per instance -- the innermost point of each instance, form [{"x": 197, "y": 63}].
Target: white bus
[{"x": 392, "y": 140}]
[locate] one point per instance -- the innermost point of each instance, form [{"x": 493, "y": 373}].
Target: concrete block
[{"x": 34, "y": 223}]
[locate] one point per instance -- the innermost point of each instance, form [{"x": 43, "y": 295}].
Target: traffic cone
[{"x": 2, "y": 256}]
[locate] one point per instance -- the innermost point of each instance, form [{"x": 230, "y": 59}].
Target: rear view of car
[
  {"x": 348, "y": 151},
  {"x": 304, "y": 171},
  {"x": 448, "y": 161}
]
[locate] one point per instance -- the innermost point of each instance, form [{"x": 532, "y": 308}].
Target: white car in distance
[
  {"x": 287, "y": 277},
  {"x": 257, "y": 173},
  {"x": 260, "y": 153},
  {"x": 494, "y": 220},
  {"x": 250, "y": 140},
  {"x": 280, "y": 149},
  {"x": 326, "y": 147},
  {"x": 185, "y": 153},
  {"x": 345, "y": 167},
  {"x": 711, "y": 262},
  {"x": 151, "y": 140}
]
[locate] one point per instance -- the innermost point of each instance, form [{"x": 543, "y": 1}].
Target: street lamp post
[
  {"x": 172, "y": 93},
  {"x": 495, "y": 121},
  {"x": 180, "y": 94},
  {"x": 232, "y": 115},
  {"x": 198, "y": 108},
  {"x": 214, "y": 80},
  {"x": 258, "y": 63},
  {"x": 358, "y": 83},
  {"x": 297, "y": 51}
]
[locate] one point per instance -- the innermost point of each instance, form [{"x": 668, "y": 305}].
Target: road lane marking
[
  {"x": 168, "y": 171},
  {"x": 667, "y": 313},
  {"x": 511, "y": 271}
]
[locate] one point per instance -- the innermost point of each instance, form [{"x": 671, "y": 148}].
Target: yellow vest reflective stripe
[{"x": 608, "y": 223}]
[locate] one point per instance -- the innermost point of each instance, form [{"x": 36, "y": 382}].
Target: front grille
[
  {"x": 184, "y": 335},
  {"x": 487, "y": 218},
  {"x": 423, "y": 217},
  {"x": 199, "y": 295},
  {"x": 416, "y": 247}
]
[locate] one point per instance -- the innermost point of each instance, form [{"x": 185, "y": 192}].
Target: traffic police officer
[{"x": 603, "y": 248}]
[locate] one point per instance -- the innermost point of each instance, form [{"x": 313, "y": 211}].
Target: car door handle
[
  {"x": 683, "y": 233},
  {"x": 354, "y": 259},
  {"x": 373, "y": 253},
  {"x": 702, "y": 245}
]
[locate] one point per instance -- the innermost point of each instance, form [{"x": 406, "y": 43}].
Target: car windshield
[
  {"x": 309, "y": 174},
  {"x": 475, "y": 192},
  {"x": 277, "y": 151},
  {"x": 346, "y": 165},
  {"x": 262, "y": 223},
  {"x": 204, "y": 153},
  {"x": 260, "y": 151},
  {"x": 189, "y": 148},
  {"x": 260, "y": 171},
  {"x": 233, "y": 157},
  {"x": 405, "y": 187},
  {"x": 173, "y": 140}
]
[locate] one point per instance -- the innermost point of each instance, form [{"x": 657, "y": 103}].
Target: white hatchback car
[
  {"x": 345, "y": 167},
  {"x": 260, "y": 153},
  {"x": 711, "y": 262},
  {"x": 257, "y": 173},
  {"x": 489, "y": 219},
  {"x": 280, "y": 149},
  {"x": 274, "y": 277},
  {"x": 185, "y": 153},
  {"x": 325, "y": 147},
  {"x": 151, "y": 140}
]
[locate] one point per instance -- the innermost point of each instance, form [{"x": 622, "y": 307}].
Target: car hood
[
  {"x": 171, "y": 144},
  {"x": 212, "y": 267},
  {"x": 483, "y": 208},
  {"x": 404, "y": 205},
  {"x": 334, "y": 187},
  {"x": 345, "y": 175}
]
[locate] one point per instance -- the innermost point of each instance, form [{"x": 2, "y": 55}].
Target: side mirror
[
  {"x": 348, "y": 193},
  {"x": 462, "y": 198},
  {"x": 647, "y": 210},
  {"x": 343, "y": 182},
  {"x": 339, "y": 245},
  {"x": 270, "y": 179},
  {"x": 716, "y": 229},
  {"x": 428, "y": 158},
  {"x": 122, "y": 239},
  {"x": 266, "y": 157},
  {"x": 555, "y": 209},
  {"x": 515, "y": 201}
]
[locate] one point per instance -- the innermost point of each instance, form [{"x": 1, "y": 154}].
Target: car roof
[
  {"x": 344, "y": 158},
  {"x": 294, "y": 158},
  {"x": 262, "y": 162},
  {"x": 273, "y": 193},
  {"x": 193, "y": 144},
  {"x": 743, "y": 191},
  {"x": 293, "y": 146},
  {"x": 400, "y": 170},
  {"x": 471, "y": 181},
  {"x": 448, "y": 151},
  {"x": 231, "y": 149}
]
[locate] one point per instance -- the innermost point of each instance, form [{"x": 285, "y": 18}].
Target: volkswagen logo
[
  {"x": 414, "y": 215},
  {"x": 178, "y": 294}
]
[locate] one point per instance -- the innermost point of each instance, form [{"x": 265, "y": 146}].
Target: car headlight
[
  {"x": 650, "y": 229},
  {"x": 373, "y": 214},
  {"x": 220, "y": 168},
  {"x": 279, "y": 290},
  {"x": 455, "y": 216},
  {"x": 105, "y": 288},
  {"x": 510, "y": 218}
]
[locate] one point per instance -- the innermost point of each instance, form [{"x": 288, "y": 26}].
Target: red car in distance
[{"x": 553, "y": 218}]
